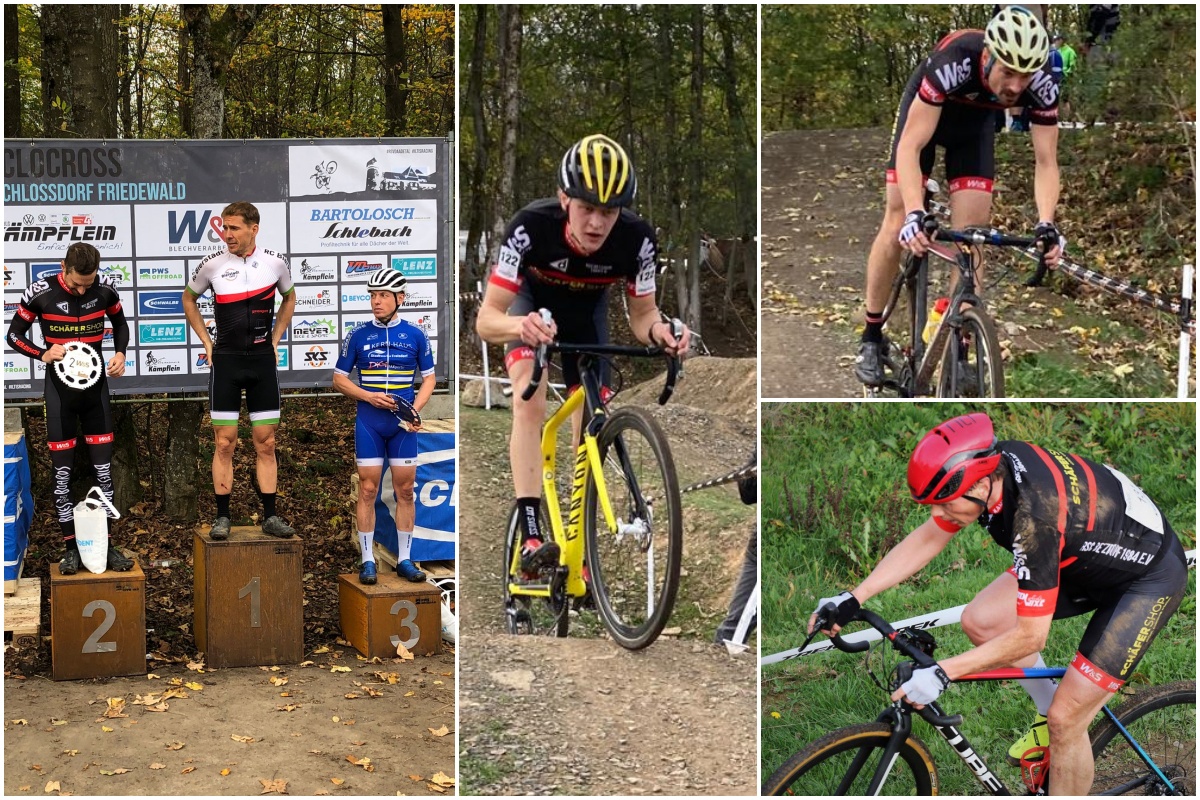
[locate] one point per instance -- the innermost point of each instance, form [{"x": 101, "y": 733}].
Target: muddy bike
[
  {"x": 621, "y": 544},
  {"x": 1147, "y": 745},
  {"x": 962, "y": 357}
]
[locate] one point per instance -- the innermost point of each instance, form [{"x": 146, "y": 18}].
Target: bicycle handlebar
[
  {"x": 930, "y": 713},
  {"x": 644, "y": 351}
]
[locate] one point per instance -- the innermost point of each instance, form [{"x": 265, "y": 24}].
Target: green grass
[{"x": 834, "y": 501}]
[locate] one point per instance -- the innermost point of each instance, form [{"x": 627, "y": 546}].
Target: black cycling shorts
[
  {"x": 255, "y": 373},
  {"x": 587, "y": 324},
  {"x": 968, "y": 136},
  {"x": 1127, "y": 618},
  {"x": 70, "y": 412}
]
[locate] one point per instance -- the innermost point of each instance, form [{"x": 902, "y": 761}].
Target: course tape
[{"x": 937, "y": 619}]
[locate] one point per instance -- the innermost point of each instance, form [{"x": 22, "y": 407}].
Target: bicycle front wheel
[
  {"x": 634, "y": 569},
  {"x": 972, "y": 365},
  {"x": 1162, "y": 721},
  {"x": 846, "y": 761}
]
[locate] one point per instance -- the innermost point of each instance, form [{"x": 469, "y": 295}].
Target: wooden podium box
[
  {"x": 375, "y": 618},
  {"x": 97, "y": 623},
  {"x": 249, "y": 599}
]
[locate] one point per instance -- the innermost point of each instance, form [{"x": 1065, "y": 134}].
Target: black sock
[
  {"x": 222, "y": 505},
  {"x": 528, "y": 509},
  {"x": 268, "y": 501},
  {"x": 874, "y": 329}
]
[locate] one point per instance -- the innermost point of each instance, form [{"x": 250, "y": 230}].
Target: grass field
[{"x": 834, "y": 501}]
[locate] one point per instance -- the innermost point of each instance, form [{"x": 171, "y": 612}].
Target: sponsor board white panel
[
  {"x": 358, "y": 226},
  {"x": 39, "y": 233}
]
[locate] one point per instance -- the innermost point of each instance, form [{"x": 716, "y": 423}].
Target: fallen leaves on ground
[
  {"x": 174, "y": 745},
  {"x": 403, "y": 652},
  {"x": 187, "y": 770},
  {"x": 157, "y": 765},
  {"x": 279, "y": 681},
  {"x": 336, "y": 781},
  {"x": 288, "y": 707},
  {"x": 117, "y": 771},
  {"x": 53, "y": 786},
  {"x": 242, "y": 739},
  {"x": 196, "y": 666},
  {"x": 116, "y": 708},
  {"x": 363, "y": 762},
  {"x": 442, "y": 779},
  {"x": 278, "y": 785},
  {"x": 19, "y": 721},
  {"x": 338, "y": 668},
  {"x": 225, "y": 771},
  {"x": 442, "y": 731}
]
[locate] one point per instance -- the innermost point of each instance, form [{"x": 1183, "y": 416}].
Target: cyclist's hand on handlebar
[
  {"x": 842, "y": 609},
  {"x": 913, "y": 234},
  {"x": 925, "y": 685},
  {"x": 1052, "y": 242},
  {"x": 536, "y": 331},
  {"x": 662, "y": 335}
]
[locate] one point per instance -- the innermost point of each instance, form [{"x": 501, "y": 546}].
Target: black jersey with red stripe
[
  {"x": 1070, "y": 521},
  {"x": 68, "y": 317},
  {"x": 536, "y": 250},
  {"x": 953, "y": 73}
]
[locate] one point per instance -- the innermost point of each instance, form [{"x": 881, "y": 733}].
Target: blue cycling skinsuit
[{"x": 388, "y": 358}]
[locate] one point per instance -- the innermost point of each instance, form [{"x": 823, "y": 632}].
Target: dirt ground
[
  {"x": 581, "y": 715},
  {"x": 304, "y": 731}
]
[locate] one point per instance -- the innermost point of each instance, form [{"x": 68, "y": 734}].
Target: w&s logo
[{"x": 194, "y": 226}]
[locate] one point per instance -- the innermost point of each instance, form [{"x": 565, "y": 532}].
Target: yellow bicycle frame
[{"x": 569, "y": 537}]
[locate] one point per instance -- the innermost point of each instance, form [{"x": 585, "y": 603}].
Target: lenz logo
[{"x": 151, "y": 333}]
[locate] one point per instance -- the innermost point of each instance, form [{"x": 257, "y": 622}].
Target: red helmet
[{"x": 951, "y": 458}]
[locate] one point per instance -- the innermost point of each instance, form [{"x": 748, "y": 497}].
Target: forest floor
[{"x": 822, "y": 195}]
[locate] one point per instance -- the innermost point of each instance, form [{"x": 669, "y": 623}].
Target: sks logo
[
  {"x": 951, "y": 75},
  {"x": 316, "y": 357},
  {"x": 195, "y": 228},
  {"x": 361, "y": 267}
]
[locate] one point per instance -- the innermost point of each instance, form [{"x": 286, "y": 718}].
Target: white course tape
[{"x": 938, "y": 619}]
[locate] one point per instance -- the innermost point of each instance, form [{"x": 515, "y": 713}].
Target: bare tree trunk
[
  {"x": 745, "y": 184},
  {"x": 185, "y": 79},
  {"x": 12, "y": 76},
  {"x": 689, "y": 290},
  {"x": 181, "y": 471},
  {"x": 396, "y": 78},
  {"x": 79, "y": 70},
  {"x": 126, "y": 73},
  {"x": 674, "y": 178},
  {"x": 510, "y": 74},
  {"x": 477, "y": 212},
  {"x": 213, "y": 46}
]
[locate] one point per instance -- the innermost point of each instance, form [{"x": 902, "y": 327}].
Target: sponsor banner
[
  {"x": 162, "y": 361},
  {"x": 352, "y": 321},
  {"x": 328, "y": 170},
  {"x": 198, "y": 361},
  {"x": 39, "y": 232},
  {"x": 281, "y": 357},
  {"x": 315, "y": 269},
  {"x": 314, "y": 356},
  {"x": 17, "y": 367},
  {"x": 160, "y": 304},
  {"x": 162, "y": 273},
  {"x": 435, "y": 494},
  {"x": 119, "y": 272},
  {"x": 427, "y": 322},
  {"x": 11, "y": 299},
  {"x": 355, "y": 298},
  {"x": 41, "y": 270},
  {"x": 358, "y": 226},
  {"x": 195, "y": 230},
  {"x": 159, "y": 332},
  {"x": 128, "y": 304},
  {"x": 415, "y": 268},
  {"x": 131, "y": 364},
  {"x": 110, "y": 338},
  {"x": 314, "y": 329},
  {"x": 420, "y": 295},
  {"x": 212, "y": 332},
  {"x": 361, "y": 268},
  {"x": 16, "y": 277},
  {"x": 316, "y": 299}
]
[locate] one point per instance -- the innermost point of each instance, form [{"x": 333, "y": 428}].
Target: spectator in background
[{"x": 1062, "y": 61}]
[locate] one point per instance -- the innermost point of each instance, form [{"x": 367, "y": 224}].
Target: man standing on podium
[
  {"x": 243, "y": 278},
  {"x": 387, "y": 352}
]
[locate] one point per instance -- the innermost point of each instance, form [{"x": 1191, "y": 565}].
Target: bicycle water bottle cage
[{"x": 1035, "y": 770}]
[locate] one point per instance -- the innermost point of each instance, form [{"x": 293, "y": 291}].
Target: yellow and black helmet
[
  {"x": 597, "y": 171},
  {"x": 1017, "y": 39}
]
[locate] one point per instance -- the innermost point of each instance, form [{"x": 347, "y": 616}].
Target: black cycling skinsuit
[
  {"x": 952, "y": 78},
  {"x": 1084, "y": 538},
  {"x": 67, "y": 317},
  {"x": 538, "y": 263}
]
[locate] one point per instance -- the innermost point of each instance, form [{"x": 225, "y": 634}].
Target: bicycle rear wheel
[
  {"x": 525, "y": 614},
  {"x": 844, "y": 763},
  {"x": 1162, "y": 721},
  {"x": 972, "y": 365},
  {"x": 635, "y": 569}
]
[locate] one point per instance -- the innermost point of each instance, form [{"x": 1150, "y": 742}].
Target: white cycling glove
[
  {"x": 846, "y": 606},
  {"x": 925, "y": 685}
]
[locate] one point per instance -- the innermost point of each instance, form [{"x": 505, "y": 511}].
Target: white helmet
[
  {"x": 387, "y": 280},
  {"x": 1017, "y": 39}
]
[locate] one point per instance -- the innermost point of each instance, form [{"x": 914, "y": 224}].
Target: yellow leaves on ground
[
  {"x": 279, "y": 785},
  {"x": 195, "y": 687},
  {"x": 442, "y": 731},
  {"x": 403, "y": 652},
  {"x": 225, "y": 772},
  {"x": 53, "y": 786},
  {"x": 116, "y": 708},
  {"x": 242, "y": 739},
  {"x": 363, "y": 762},
  {"x": 339, "y": 669},
  {"x": 118, "y": 771},
  {"x": 276, "y": 681},
  {"x": 174, "y": 745},
  {"x": 157, "y": 765}
]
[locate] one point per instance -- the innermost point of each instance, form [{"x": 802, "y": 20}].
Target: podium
[
  {"x": 97, "y": 624},
  {"x": 249, "y": 599},
  {"x": 394, "y": 611}
]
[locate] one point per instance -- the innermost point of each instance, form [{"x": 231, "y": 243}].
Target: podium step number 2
[{"x": 97, "y": 624}]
